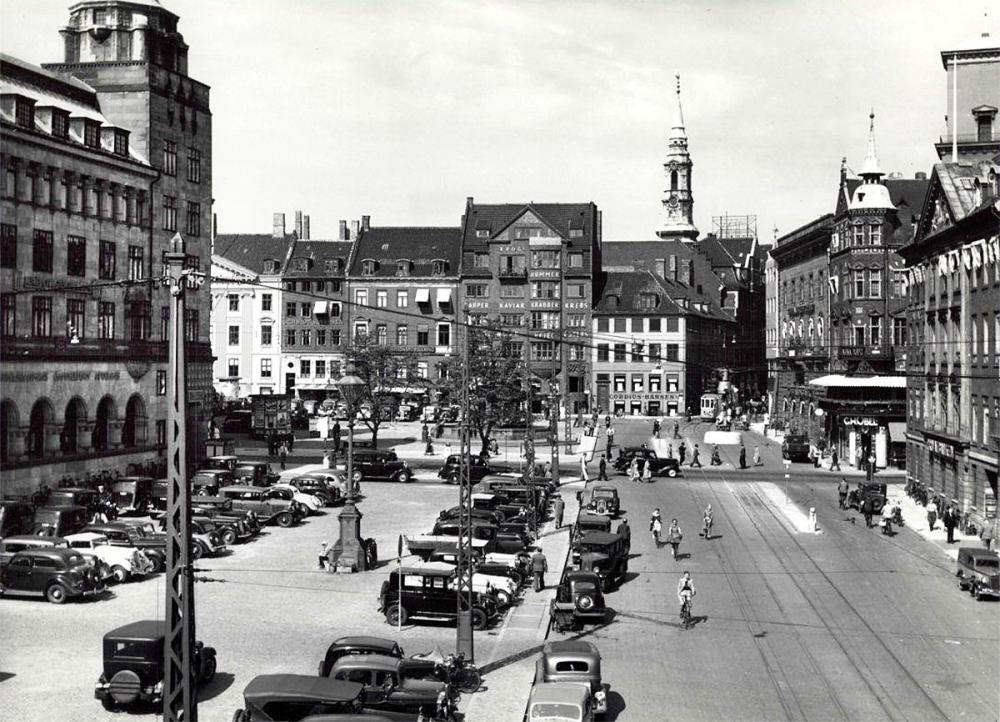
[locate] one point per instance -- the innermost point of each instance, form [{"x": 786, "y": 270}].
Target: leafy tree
[{"x": 381, "y": 368}]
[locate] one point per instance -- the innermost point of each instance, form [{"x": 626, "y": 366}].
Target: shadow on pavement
[
  {"x": 4, "y": 676},
  {"x": 222, "y": 682},
  {"x": 616, "y": 705}
]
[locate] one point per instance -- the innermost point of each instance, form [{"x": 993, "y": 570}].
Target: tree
[
  {"x": 382, "y": 368},
  {"x": 493, "y": 373}
]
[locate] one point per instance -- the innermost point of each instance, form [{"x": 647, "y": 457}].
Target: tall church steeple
[{"x": 678, "y": 201}]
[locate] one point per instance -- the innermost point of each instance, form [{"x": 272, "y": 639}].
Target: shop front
[
  {"x": 859, "y": 436},
  {"x": 644, "y": 403}
]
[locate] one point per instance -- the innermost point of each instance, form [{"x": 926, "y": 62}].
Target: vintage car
[
  {"x": 576, "y": 661},
  {"x": 592, "y": 522},
  {"x": 345, "y": 646},
  {"x": 229, "y": 531},
  {"x": 508, "y": 566},
  {"x": 978, "y": 570},
  {"x": 208, "y": 482},
  {"x": 224, "y": 463},
  {"x": 504, "y": 541},
  {"x": 295, "y": 697},
  {"x": 872, "y": 490},
  {"x": 500, "y": 586},
  {"x": 329, "y": 492},
  {"x": 56, "y": 521},
  {"x": 123, "y": 563},
  {"x": 55, "y": 574},
  {"x": 221, "y": 511},
  {"x": 255, "y": 473},
  {"x": 452, "y": 513},
  {"x": 16, "y": 517},
  {"x": 133, "y": 665},
  {"x": 560, "y": 702},
  {"x": 603, "y": 500},
  {"x": 310, "y": 502},
  {"x": 268, "y": 508},
  {"x": 602, "y": 553},
  {"x": 386, "y": 686},
  {"x": 795, "y": 447},
  {"x": 124, "y": 535},
  {"x": 207, "y": 540},
  {"x": 429, "y": 591},
  {"x": 380, "y": 465},
  {"x": 479, "y": 467},
  {"x": 133, "y": 495},
  {"x": 74, "y": 496},
  {"x": 9, "y": 546},
  {"x": 578, "y": 600},
  {"x": 659, "y": 466}
]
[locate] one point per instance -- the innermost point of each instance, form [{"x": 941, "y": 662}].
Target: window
[
  {"x": 41, "y": 316},
  {"x": 291, "y": 308},
  {"x": 577, "y": 320},
  {"x": 620, "y": 324},
  {"x": 360, "y": 329},
  {"x": 637, "y": 326},
  {"x": 60, "y": 125},
  {"x": 8, "y": 314},
  {"x": 511, "y": 319},
  {"x": 875, "y": 238},
  {"x": 335, "y": 309},
  {"x": 444, "y": 334},
  {"x": 402, "y": 299},
  {"x": 194, "y": 165},
  {"x": 305, "y": 309},
  {"x": 402, "y": 335},
  {"x": 76, "y": 256},
  {"x": 265, "y": 335},
  {"x": 194, "y": 219},
  {"x": 423, "y": 334},
  {"x": 137, "y": 320},
  {"x": 575, "y": 290},
  {"x": 402, "y": 267},
  {"x": 859, "y": 235},
  {"x": 542, "y": 351},
  {"x": 619, "y": 352},
  {"x": 637, "y": 384},
  {"x": 335, "y": 337},
  {"x": 875, "y": 283},
  {"x": 136, "y": 263},
  {"x": 233, "y": 367},
  {"x": 619, "y": 382},
  {"x": 899, "y": 332},
  {"x": 654, "y": 353},
  {"x": 161, "y": 382},
  {"x": 361, "y": 297},
  {"x": 305, "y": 367},
  {"x": 169, "y": 158},
  {"x": 321, "y": 337},
  {"x": 320, "y": 369},
  {"x": 575, "y": 260},
  {"x": 859, "y": 284},
  {"x": 673, "y": 352},
  {"x": 41, "y": 260},
  {"x": 673, "y": 383},
  {"x": 438, "y": 268},
  {"x": 481, "y": 260},
  {"x": 105, "y": 319},
  {"x": 655, "y": 324},
  {"x": 305, "y": 336},
  {"x": 24, "y": 113},
  {"x": 545, "y": 259},
  {"x": 8, "y": 246},
  {"x": 75, "y": 319},
  {"x": 875, "y": 330},
  {"x": 107, "y": 260},
  {"x": 602, "y": 352},
  {"x": 368, "y": 267},
  {"x": 169, "y": 213},
  {"x": 859, "y": 335},
  {"x": 234, "y": 335},
  {"x": 381, "y": 299},
  {"x": 655, "y": 383},
  {"x": 191, "y": 324},
  {"x": 899, "y": 286},
  {"x": 476, "y": 290},
  {"x": 265, "y": 368},
  {"x": 234, "y": 301},
  {"x": 637, "y": 352},
  {"x": 527, "y": 232},
  {"x": 545, "y": 289},
  {"x": 548, "y": 320},
  {"x": 290, "y": 337},
  {"x": 265, "y": 302},
  {"x": 511, "y": 291}
]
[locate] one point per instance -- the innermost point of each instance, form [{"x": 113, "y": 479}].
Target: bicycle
[
  {"x": 462, "y": 674},
  {"x": 686, "y": 612},
  {"x": 706, "y": 527}
]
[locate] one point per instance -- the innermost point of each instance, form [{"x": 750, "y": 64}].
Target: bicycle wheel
[{"x": 469, "y": 680}]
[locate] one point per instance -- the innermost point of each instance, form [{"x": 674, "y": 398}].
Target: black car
[
  {"x": 294, "y": 697},
  {"x": 795, "y": 447},
  {"x": 16, "y": 517},
  {"x": 357, "y": 645},
  {"x": 55, "y": 574},
  {"x": 75, "y": 496},
  {"x": 208, "y": 482},
  {"x": 380, "y": 465},
  {"x": 505, "y": 542},
  {"x": 479, "y": 467},
  {"x": 428, "y": 590},
  {"x": 133, "y": 665},
  {"x": 255, "y": 473},
  {"x": 578, "y": 600},
  {"x": 60, "y": 521},
  {"x": 124, "y": 535},
  {"x": 669, "y": 466},
  {"x": 602, "y": 553},
  {"x": 317, "y": 487}
]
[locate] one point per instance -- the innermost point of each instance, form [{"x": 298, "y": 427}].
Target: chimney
[
  {"x": 342, "y": 231},
  {"x": 278, "y": 226},
  {"x": 366, "y": 223},
  {"x": 920, "y": 175},
  {"x": 673, "y": 267},
  {"x": 305, "y": 227},
  {"x": 468, "y": 202},
  {"x": 661, "y": 267},
  {"x": 298, "y": 225},
  {"x": 355, "y": 229}
]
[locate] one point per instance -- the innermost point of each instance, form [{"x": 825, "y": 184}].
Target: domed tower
[
  {"x": 871, "y": 196},
  {"x": 678, "y": 202}
]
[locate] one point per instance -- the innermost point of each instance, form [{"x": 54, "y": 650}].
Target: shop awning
[
  {"x": 444, "y": 296},
  {"x": 897, "y": 431},
  {"x": 321, "y": 307},
  {"x": 878, "y": 382},
  {"x": 423, "y": 295}
]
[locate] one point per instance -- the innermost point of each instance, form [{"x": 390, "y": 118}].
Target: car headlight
[{"x": 600, "y": 695}]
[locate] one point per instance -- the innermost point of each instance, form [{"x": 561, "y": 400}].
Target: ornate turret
[
  {"x": 678, "y": 202},
  {"x": 871, "y": 194}
]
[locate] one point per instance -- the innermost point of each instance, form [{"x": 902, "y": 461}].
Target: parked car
[
  {"x": 120, "y": 534},
  {"x": 133, "y": 495},
  {"x": 317, "y": 487},
  {"x": 795, "y": 447},
  {"x": 208, "y": 482},
  {"x": 387, "y": 688},
  {"x": 578, "y": 600},
  {"x": 230, "y": 531},
  {"x": 592, "y": 522},
  {"x": 220, "y": 509},
  {"x": 560, "y": 702},
  {"x": 406, "y": 412},
  {"x": 380, "y": 465},
  {"x": 573, "y": 661},
  {"x": 16, "y": 517},
  {"x": 357, "y": 645},
  {"x": 659, "y": 466},
  {"x": 56, "y": 521},
  {"x": 226, "y": 462},
  {"x": 75, "y": 496},
  {"x": 479, "y": 468},
  {"x": 604, "y": 500},
  {"x": 294, "y": 697},
  {"x": 133, "y": 665},
  {"x": 509, "y": 542},
  {"x": 311, "y": 503},
  {"x": 205, "y": 541},
  {"x": 428, "y": 591},
  {"x": 978, "y": 570},
  {"x": 873, "y": 491},
  {"x": 602, "y": 553},
  {"x": 123, "y": 564},
  {"x": 268, "y": 508},
  {"x": 255, "y": 473},
  {"x": 55, "y": 574},
  {"x": 11, "y": 545}
]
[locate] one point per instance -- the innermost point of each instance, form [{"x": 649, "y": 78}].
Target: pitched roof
[
  {"x": 956, "y": 183},
  {"x": 561, "y": 217},
  {"x": 420, "y": 245},
  {"x": 250, "y": 250},
  {"x": 319, "y": 252}
]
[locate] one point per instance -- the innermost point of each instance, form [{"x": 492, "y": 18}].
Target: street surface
[{"x": 846, "y": 624}]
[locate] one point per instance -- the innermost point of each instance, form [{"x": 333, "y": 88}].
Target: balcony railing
[
  {"x": 513, "y": 274},
  {"x": 969, "y": 138}
]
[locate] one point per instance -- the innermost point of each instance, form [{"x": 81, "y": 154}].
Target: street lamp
[{"x": 349, "y": 553}]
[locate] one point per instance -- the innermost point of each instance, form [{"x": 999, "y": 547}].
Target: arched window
[
  {"x": 76, "y": 412},
  {"x": 673, "y": 180},
  {"x": 41, "y": 416},
  {"x": 134, "y": 430},
  {"x": 9, "y": 422},
  {"x": 106, "y": 413}
]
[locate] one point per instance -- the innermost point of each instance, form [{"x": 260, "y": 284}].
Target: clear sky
[{"x": 400, "y": 109}]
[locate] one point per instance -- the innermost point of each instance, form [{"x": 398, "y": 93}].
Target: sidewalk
[
  {"x": 510, "y": 671},
  {"x": 915, "y": 517}
]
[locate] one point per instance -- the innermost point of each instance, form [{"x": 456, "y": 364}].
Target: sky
[{"x": 401, "y": 109}]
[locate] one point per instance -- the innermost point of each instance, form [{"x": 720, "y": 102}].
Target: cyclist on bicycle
[
  {"x": 706, "y": 518},
  {"x": 685, "y": 590}
]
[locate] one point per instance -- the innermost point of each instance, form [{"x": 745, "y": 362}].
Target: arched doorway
[
  {"x": 10, "y": 420},
  {"x": 41, "y": 416},
  {"x": 76, "y": 412},
  {"x": 134, "y": 431},
  {"x": 106, "y": 413}
]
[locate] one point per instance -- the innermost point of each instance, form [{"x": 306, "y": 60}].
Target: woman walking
[
  {"x": 647, "y": 471},
  {"x": 674, "y": 537},
  {"x": 633, "y": 469},
  {"x": 655, "y": 526}
]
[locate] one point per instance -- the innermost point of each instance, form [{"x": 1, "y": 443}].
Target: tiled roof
[
  {"x": 561, "y": 217},
  {"x": 319, "y": 252},
  {"x": 907, "y": 194},
  {"x": 250, "y": 250},
  {"x": 421, "y": 246},
  {"x": 957, "y": 183}
]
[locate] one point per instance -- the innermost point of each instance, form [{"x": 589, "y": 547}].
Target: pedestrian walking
[
  {"x": 611, "y": 437},
  {"x": 716, "y": 457},
  {"x": 656, "y": 428},
  {"x": 887, "y": 519},
  {"x": 757, "y": 461},
  {"x": 655, "y": 526},
  {"x": 633, "y": 469},
  {"x": 867, "y": 511},
  {"x": 987, "y": 530},
  {"x": 670, "y": 451},
  {"x": 558, "y": 507},
  {"x": 932, "y": 514},
  {"x": 870, "y": 469},
  {"x": 743, "y": 456},
  {"x": 602, "y": 469},
  {"x": 336, "y": 437},
  {"x": 429, "y": 448},
  {"x": 290, "y": 440},
  {"x": 579, "y": 419},
  {"x": 677, "y": 430},
  {"x": 323, "y": 559},
  {"x": 681, "y": 453},
  {"x": 539, "y": 565},
  {"x": 695, "y": 461},
  {"x": 674, "y": 537},
  {"x": 647, "y": 471},
  {"x": 425, "y": 432},
  {"x": 834, "y": 459},
  {"x": 607, "y": 421},
  {"x": 950, "y": 520},
  {"x": 842, "y": 488},
  {"x": 282, "y": 455},
  {"x": 583, "y": 468}
]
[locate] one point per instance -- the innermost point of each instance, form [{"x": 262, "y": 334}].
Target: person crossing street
[
  {"x": 602, "y": 469},
  {"x": 694, "y": 457}
]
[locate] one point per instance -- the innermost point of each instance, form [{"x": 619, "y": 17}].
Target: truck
[{"x": 270, "y": 413}]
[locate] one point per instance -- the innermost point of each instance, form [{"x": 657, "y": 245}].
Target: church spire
[
  {"x": 871, "y": 171},
  {"x": 680, "y": 111},
  {"x": 678, "y": 202}
]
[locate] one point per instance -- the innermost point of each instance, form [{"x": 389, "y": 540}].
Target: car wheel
[
  {"x": 503, "y": 597},
  {"x": 108, "y": 703},
  {"x": 208, "y": 674},
  {"x": 120, "y": 574},
  {"x": 453, "y": 479},
  {"x": 395, "y": 615},
  {"x": 606, "y": 584},
  {"x": 479, "y": 618},
  {"x": 56, "y": 594},
  {"x": 671, "y": 473},
  {"x": 197, "y": 550},
  {"x": 584, "y": 602},
  {"x": 285, "y": 519},
  {"x": 403, "y": 477},
  {"x": 229, "y": 536}
]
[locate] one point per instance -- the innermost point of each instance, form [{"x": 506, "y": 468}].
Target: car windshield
[
  {"x": 554, "y": 711},
  {"x": 988, "y": 563},
  {"x": 584, "y": 586}
]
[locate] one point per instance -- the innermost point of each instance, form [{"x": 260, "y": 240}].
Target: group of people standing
[{"x": 674, "y": 535}]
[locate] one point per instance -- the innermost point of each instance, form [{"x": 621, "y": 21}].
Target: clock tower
[{"x": 678, "y": 204}]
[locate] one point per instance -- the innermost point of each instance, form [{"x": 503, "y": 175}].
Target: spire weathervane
[{"x": 680, "y": 111}]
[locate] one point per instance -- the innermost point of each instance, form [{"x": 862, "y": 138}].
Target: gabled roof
[
  {"x": 419, "y": 245},
  {"x": 319, "y": 252},
  {"x": 250, "y": 250},
  {"x": 955, "y": 184},
  {"x": 560, "y": 217}
]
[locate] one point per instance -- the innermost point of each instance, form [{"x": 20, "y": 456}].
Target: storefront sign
[
  {"x": 24, "y": 377},
  {"x": 619, "y": 396},
  {"x": 477, "y": 304},
  {"x": 536, "y": 273},
  {"x": 576, "y": 305},
  {"x": 941, "y": 448},
  {"x": 860, "y": 421}
]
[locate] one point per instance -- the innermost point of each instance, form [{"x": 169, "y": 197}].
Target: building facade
[
  {"x": 132, "y": 54},
  {"x": 953, "y": 362},
  {"x": 772, "y": 298},
  {"x": 531, "y": 269},
  {"x": 84, "y": 377},
  {"x": 973, "y": 96},
  {"x": 677, "y": 202}
]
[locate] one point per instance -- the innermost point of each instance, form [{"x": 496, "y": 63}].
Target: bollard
[{"x": 812, "y": 519}]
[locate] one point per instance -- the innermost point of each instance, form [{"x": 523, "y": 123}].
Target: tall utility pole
[
  {"x": 179, "y": 694},
  {"x": 529, "y": 433},
  {"x": 463, "y": 583},
  {"x": 556, "y": 401}
]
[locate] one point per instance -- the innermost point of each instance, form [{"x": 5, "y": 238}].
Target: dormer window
[
  {"x": 91, "y": 134},
  {"x": 301, "y": 264},
  {"x": 648, "y": 301},
  {"x": 611, "y": 300},
  {"x": 24, "y": 112},
  {"x": 121, "y": 142},
  {"x": 438, "y": 267},
  {"x": 269, "y": 265},
  {"x": 60, "y": 124},
  {"x": 482, "y": 233},
  {"x": 403, "y": 267},
  {"x": 368, "y": 267}
]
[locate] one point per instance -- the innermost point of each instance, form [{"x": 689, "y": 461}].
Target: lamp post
[{"x": 349, "y": 553}]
